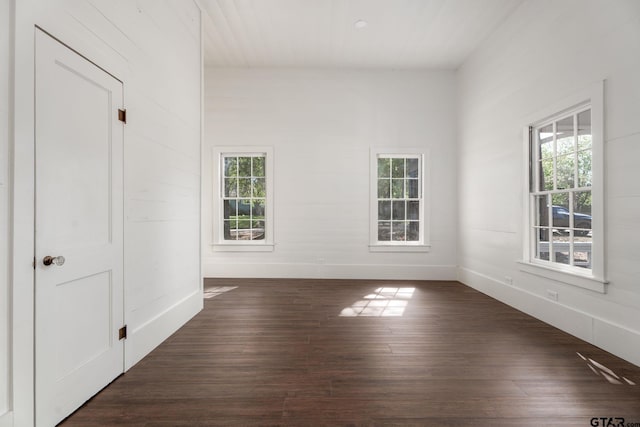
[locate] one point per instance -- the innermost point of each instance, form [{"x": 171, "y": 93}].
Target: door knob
[{"x": 57, "y": 260}]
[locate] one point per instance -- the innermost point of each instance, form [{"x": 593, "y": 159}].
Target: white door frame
[
  {"x": 54, "y": 17},
  {"x": 28, "y": 18},
  {"x": 97, "y": 273}
]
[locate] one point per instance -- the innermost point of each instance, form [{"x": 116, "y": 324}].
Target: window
[
  {"x": 565, "y": 192},
  {"x": 561, "y": 193},
  {"x": 244, "y": 197},
  {"x": 243, "y": 216},
  {"x": 398, "y": 206}
]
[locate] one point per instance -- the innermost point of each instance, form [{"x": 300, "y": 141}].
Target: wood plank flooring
[{"x": 380, "y": 353}]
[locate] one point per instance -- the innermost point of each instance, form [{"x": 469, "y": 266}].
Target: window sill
[
  {"x": 228, "y": 247},
  {"x": 399, "y": 248},
  {"x": 585, "y": 281}
]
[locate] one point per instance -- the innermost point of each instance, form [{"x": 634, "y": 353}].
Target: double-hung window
[
  {"x": 565, "y": 192},
  {"x": 562, "y": 195},
  {"x": 243, "y": 206},
  {"x": 398, "y": 201}
]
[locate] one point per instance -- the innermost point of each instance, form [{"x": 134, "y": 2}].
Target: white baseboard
[
  {"x": 331, "y": 271},
  {"x": 6, "y": 419},
  {"x": 143, "y": 339},
  {"x": 613, "y": 338},
  {"x": 618, "y": 340}
]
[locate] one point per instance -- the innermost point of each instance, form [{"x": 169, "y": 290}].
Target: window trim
[
  {"x": 422, "y": 245},
  {"x": 219, "y": 244},
  {"x": 593, "y": 279}
]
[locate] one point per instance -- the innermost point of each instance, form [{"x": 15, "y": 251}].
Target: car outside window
[{"x": 562, "y": 193}]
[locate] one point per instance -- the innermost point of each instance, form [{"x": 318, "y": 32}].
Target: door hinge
[
  {"x": 122, "y": 333},
  {"x": 122, "y": 115}
]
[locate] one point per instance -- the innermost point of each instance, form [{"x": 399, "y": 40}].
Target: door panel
[
  {"x": 79, "y": 215},
  {"x": 86, "y": 298}
]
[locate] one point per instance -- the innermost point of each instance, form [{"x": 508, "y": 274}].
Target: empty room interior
[{"x": 319, "y": 212}]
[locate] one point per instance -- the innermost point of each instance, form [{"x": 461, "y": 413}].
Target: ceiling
[{"x": 400, "y": 34}]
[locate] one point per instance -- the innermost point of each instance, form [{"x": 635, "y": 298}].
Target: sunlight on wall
[{"x": 383, "y": 302}]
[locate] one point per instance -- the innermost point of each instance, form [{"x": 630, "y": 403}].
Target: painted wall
[
  {"x": 154, "y": 48},
  {"x": 545, "y": 51},
  {"x": 5, "y": 66},
  {"x": 321, "y": 125}
]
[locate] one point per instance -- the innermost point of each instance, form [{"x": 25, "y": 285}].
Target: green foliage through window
[
  {"x": 399, "y": 198},
  {"x": 562, "y": 196},
  {"x": 244, "y": 197}
]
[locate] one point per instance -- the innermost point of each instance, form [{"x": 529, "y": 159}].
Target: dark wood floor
[{"x": 279, "y": 352}]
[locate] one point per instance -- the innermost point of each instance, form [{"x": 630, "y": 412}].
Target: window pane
[
  {"x": 244, "y": 166},
  {"x": 397, "y": 168},
  {"x": 546, "y": 174},
  {"x": 230, "y": 166},
  {"x": 584, "y": 168},
  {"x": 561, "y": 247},
  {"x": 561, "y": 213},
  {"x": 230, "y": 209},
  {"x": 565, "y": 171},
  {"x": 413, "y": 231},
  {"x": 582, "y": 212},
  {"x": 412, "y": 168},
  {"x": 243, "y": 232},
  {"x": 230, "y": 230},
  {"x": 565, "y": 142},
  {"x": 244, "y": 187},
  {"x": 257, "y": 230},
  {"x": 582, "y": 202},
  {"x": 398, "y": 231},
  {"x": 384, "y": 186},
  {"x": 257, "y": 166},
  {"x": 257, "y": 209},
  {"x": 244, "y": 208},
  {"x": 244, "y": 221},
  {"x": 541, "y": 210},
  {"x": 230, "y": 187},
  {"x": 582, "y": 251},
  {"x": 384, "y": 231},
  {"x": 384, "y": 168},
  {"x": 397, "y": 190},
  {"x": 542, "y": 243},
  {"x": 413, "y": 210},
  {"x": 384, "y": 210},
  {"x": 399, "y": 210},
  {"x": 584, "y": 130},
  {"x": 412, "y": 188},
  {"x": 259, "y": 189},
  {"x": 545, "y": 140}
]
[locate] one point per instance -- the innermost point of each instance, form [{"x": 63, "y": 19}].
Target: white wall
[
  {"x": 321, "y": 125},
  {"x": 5, "y": 64},
  {"x": 545, "y": 51},
  {"x": 154, "y": 48}
]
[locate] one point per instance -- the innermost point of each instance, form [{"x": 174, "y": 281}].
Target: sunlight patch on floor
[
  {"x": 383, "y": 302},
  {"x": 217, "y": 290},
  {"x": 601, "y": 370}
]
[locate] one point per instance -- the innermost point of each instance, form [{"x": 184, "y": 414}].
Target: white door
[{"x": 79, "y": 216}]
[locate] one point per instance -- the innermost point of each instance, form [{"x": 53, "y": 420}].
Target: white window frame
[
  {"x": 421, "y": 245},
  {"x": 219, "y": 243},
  {"x": 594, "y": 278}
]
